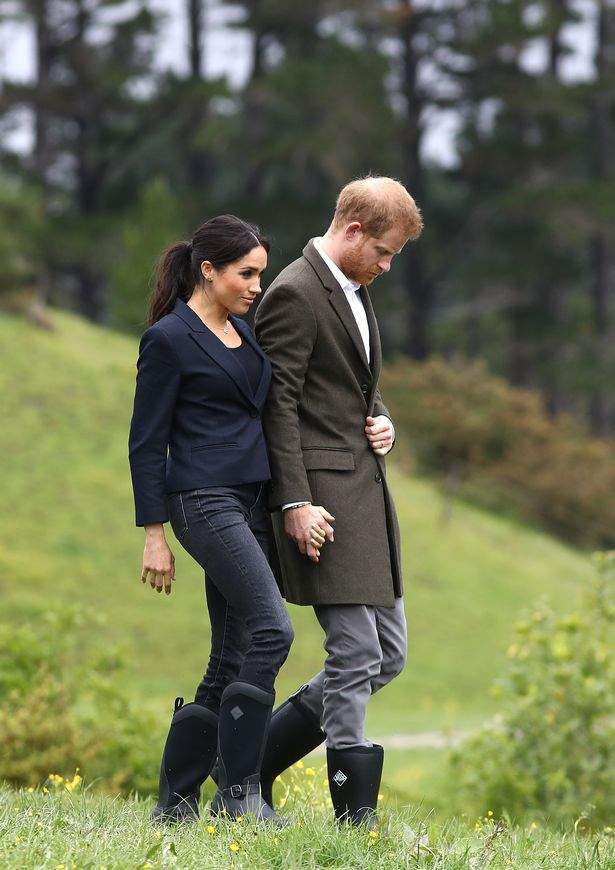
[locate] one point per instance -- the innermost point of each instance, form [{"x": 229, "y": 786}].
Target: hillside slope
[{"x": 68, "y": 535}]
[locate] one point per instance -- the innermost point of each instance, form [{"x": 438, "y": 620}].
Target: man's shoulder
[{"x": 298, "y": 274}]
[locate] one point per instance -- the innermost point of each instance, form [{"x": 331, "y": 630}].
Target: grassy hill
[{"x": 68, "y": 535}]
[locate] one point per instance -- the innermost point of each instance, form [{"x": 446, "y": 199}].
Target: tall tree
[{"x": 602, "y": 243}]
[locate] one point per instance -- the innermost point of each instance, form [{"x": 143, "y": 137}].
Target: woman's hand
[
  {"x": 309, "y": 526},
  {"x": 158, "y": 560}
]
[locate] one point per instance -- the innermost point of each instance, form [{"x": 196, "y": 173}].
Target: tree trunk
[
  {"x": 418, "y": 289},
  {"x": 602, "y": 245},
  {"x": 195, "y": 28},
  {"x": 42, "y": 147}
]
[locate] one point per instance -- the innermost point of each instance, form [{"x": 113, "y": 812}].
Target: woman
[{"x": 201, "y": 384}]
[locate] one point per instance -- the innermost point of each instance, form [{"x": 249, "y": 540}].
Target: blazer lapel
[
  {"x": 215, "y": 349},
  {"x": 338, "y": 300},
  {"x": 265, "y": 378},
  {"x": 212, "y": 346}
]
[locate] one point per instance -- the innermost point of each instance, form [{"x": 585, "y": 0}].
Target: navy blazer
[{"x": 196, "y": 421}]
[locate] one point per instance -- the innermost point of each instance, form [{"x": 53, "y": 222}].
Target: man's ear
[{"x": 352, "y": 231}]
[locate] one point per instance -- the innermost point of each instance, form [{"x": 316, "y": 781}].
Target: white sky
[{"x": 227, "y": 53}]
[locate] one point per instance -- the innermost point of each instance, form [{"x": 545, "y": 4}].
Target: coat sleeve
[
  {"x": 286, "y": 330},
  {"x": 157, "y": 386}
]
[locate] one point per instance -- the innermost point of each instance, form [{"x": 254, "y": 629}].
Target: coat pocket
[{"x": 327, "y": 458}]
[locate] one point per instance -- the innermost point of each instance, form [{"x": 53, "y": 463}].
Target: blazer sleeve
[
  {"x": 157, "y": 386},
  {"x": 286, "y": 330}
]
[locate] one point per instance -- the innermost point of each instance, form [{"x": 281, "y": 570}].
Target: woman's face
[{"x": 236, "y": 286}]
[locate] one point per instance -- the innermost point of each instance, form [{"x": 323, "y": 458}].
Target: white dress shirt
[{"x": 350, "y": 289}]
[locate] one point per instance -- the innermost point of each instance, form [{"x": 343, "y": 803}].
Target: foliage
[
  {"x": 497, "y": 444},
  {"x": 551, "y": 750},
  {"x": 21, "y": 231},
  {"x": 60, "y": 710},
  {"x": 149, "y": 227}
]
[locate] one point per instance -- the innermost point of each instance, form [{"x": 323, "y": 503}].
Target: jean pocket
[{"x": 177, "y": 515}]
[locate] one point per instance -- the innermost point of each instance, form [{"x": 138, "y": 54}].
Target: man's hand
[
  {"x": 158, "y": 560},
  {"x": 309, "y": 526},
  {"x": 379, "y": 432}
]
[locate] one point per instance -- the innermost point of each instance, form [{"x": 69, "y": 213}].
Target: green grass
[
  {"x": 82, "y": 829},
  {"x": 68, "y": 535}
]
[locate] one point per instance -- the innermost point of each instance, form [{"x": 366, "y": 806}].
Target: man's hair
[{"x": 378, "y": 203}]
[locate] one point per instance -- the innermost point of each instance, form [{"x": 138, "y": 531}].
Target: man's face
[{"x": 365, "y": 257}]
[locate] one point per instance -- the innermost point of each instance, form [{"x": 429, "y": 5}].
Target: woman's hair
[{"x": 221, "y": 240}]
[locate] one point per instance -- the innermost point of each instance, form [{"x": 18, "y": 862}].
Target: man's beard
[{"x": 353, "y": 267}]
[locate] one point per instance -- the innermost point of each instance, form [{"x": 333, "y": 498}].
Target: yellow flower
[
  {"x": 234, "y": 847},
  {"x": 373, "y": 835},
  {"x": 533, "y": 825},
  {"x": 211, "y": 829},
  {"x": 45, "y": 790},
  {"x": 309, "y": 771},
  {"x": 30, "y": 789},
  {"x": 17, "y": 840},
  {"x": 299, "y": 765},
  {"x": 489, "y": 812},
  {"x": 380, "y": 796}
]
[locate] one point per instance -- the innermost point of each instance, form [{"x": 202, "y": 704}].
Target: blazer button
[
  {"x": 254, "y": 414},
  {"x": 364, "y": 389},
  {"x": 378, "y": 478}
]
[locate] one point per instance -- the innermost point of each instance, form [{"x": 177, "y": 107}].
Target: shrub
[
  {"x": 63, "y": 708},
  {"x": 499, "y": 447},
  {"x": 551, "y": 750}
]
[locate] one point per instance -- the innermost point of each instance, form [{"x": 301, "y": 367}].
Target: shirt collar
[{"x": 344, "y": 282}]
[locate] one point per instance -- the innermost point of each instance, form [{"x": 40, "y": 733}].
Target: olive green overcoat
[{"x": 322, "y": 389}]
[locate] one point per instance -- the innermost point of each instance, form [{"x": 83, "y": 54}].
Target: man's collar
[{"x": 344, "y": 282}]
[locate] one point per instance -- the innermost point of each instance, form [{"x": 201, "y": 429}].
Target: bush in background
[
  {"x": 62, "y": 708},
  {"x": 496, "y": 445},
  {"x": 551, "y": 750}
]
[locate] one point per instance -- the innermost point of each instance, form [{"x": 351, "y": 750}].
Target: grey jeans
[{"x": 366, "y": 648}]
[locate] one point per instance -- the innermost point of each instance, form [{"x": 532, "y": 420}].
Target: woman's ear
[{"x": 207, "y": 270}]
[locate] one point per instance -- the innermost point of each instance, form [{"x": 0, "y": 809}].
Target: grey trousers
[{"x": 366, "y": 648}]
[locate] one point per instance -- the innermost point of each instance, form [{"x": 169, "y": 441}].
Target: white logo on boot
[
  {"x": 340, "y": 778},
  {"x": 236, "y": 713}
]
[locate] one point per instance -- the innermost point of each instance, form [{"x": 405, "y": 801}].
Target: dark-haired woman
[{"x": 201, "y": 384}]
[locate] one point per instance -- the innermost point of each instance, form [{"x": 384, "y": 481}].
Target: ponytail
[{"x": 174, "y": 278}]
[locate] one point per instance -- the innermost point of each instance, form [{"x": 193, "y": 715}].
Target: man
[{"x": 334, "y": 519}]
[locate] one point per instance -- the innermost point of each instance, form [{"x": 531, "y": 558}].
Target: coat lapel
[
  {"x": 338, "y": 300},
  {"x": 374, "y": 335}
]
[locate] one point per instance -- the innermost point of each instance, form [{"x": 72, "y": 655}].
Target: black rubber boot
[
  {"x": 293, "y": 732},
  {"x": 189, "y": 754},
  {"x": 245, "y": 711},
  {"x": 354, "y": 782}
]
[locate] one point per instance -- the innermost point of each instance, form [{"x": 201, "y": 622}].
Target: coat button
[
  {"x": 254, "y": 414},
  {"x": 364, "y": 389},
  {"x": 378, "y": 478}
]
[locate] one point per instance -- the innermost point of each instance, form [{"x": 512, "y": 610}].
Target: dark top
[
  {"x": 197, "y": 418},
  {"x": 251, "y": 362}
]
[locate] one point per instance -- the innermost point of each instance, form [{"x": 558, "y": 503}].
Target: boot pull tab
[{"x": 179, "y": 702}]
